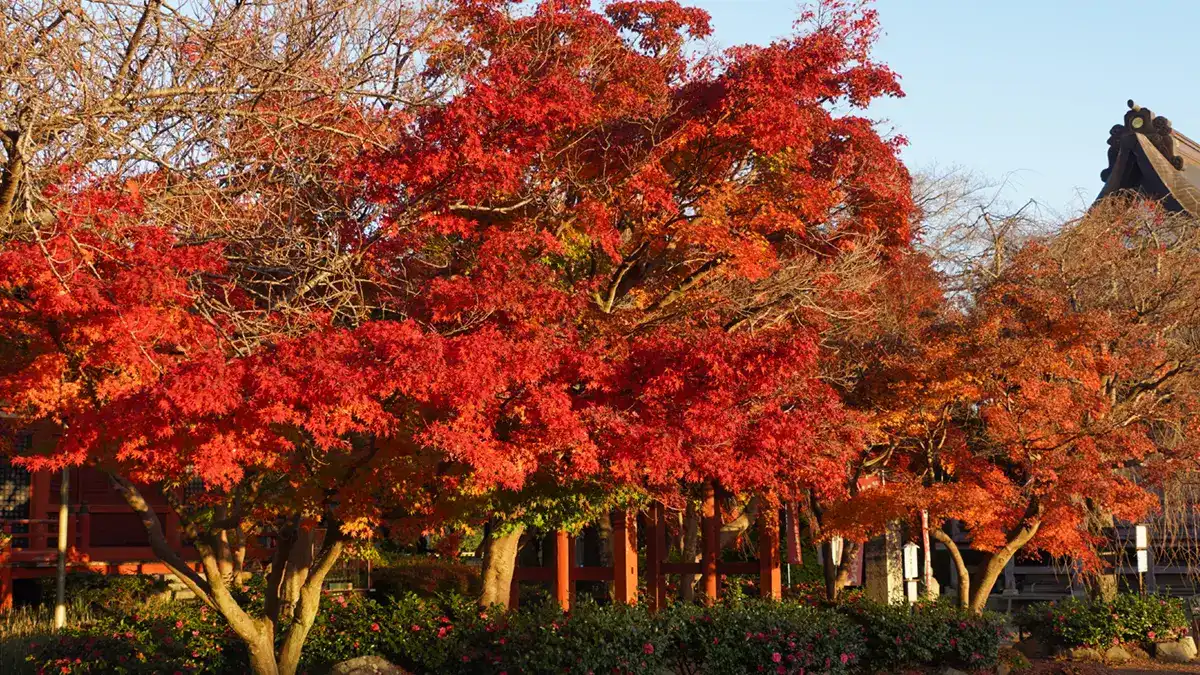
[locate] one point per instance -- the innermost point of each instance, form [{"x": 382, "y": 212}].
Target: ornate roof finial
[{"x": 1139, "y": 120}]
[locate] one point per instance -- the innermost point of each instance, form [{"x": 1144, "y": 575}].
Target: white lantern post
[
  {"x": 910, "y": 571},
  {"x": 1141, "y": 542}
]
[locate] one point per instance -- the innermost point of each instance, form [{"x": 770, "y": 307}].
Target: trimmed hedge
[{"x": 1129, "y": 618}]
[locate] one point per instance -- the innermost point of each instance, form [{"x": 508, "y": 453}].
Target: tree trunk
[
  {"x": 691, "y": 551},
  {"x": 964, "y": 577},
  {"x": 295, "y": 572},
  {"x": 837, "y": 577},
  {"x": 499, "y": 562},
  {"x": 1100, "y": 522},
  {"x": 842, "y": 578},
  {"x": 731, "y": 531},
  {"x": 262, "y": 658},
  {"x": 993, "y": 564},
  {"x": 604, "y": 532}
]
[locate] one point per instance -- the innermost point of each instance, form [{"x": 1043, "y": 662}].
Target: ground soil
[{"x": 1132, "y": 668}]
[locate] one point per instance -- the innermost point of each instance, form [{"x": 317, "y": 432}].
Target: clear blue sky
[{"x": 1017, "y": 88}]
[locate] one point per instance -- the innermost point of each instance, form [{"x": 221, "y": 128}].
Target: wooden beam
[
  {"x": 769, "y": 580},
  {"x": 710, "y": 514},
  {"x": 562, "y": 569},
  {"x": 625, "y": 562},
  {"x": 656, "y": 554}
]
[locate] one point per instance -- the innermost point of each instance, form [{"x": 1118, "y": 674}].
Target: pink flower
[
  {"x": 845, "y": 659},
  {"x": 179, "y": 624},
  {"x": 415, "y": 628},
  {"x": 648, "y": 648},
  {"x": 465, "y": 658},
  {"x": 1150, "y": 635},
  {"x": 375, "y": 627},
  {"x": 777, "y": 657}
]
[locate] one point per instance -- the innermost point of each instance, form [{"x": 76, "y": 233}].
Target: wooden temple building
[
  {"x": 1147, "y": 156},
  {"x": 103, "y": 534}
]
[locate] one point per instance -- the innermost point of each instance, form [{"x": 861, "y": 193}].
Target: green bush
[
  {"x": 425, "y": 575},
  {"x": 928, "y": 634},
  {"x": 451, "y": 635},
  {"x": 1094, "y": 623},
  {"x": 120, "y": 594},
  {"x": 164, "y": 637}
]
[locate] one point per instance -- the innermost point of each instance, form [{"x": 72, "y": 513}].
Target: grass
[{"x": 22, "y": 625}]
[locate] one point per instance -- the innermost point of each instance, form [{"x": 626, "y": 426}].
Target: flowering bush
[
  {"x": 177, "y": 637},
  {"x": 762, "y": 637},
  {"x": 930, "y": 634},
  {"x": 451, "y": 635},
  {"x": 1095, "y": 623}
]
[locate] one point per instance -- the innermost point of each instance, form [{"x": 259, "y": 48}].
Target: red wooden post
[
  {"x": 769, "y": 584},
  {"x": 625, "y": 572},
  {"x": 562, "y": 569},
  {"x": 710, "y": 513},
  {"x": 6, "y": 582},
  {"x": 656, "y": 553},
  {"x": 571, "y": 563}
]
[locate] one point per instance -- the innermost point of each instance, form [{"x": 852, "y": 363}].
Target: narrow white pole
[
  {"x": 60, "y": 600},
  {"x": 928, "y": 555}
]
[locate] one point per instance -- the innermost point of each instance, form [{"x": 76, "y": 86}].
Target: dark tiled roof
[{"x": 1147, "y": 155}]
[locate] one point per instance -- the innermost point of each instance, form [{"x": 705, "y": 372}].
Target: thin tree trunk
[
  {"x": 964, "y": 577},
  {"x": 731, "y": 531},
  {"x": 836, "y": 575},
  {"x": 499, "y": 563},
  {"x": 604, "y": 531},
  {"x": 841, "y": 573},
  {"x": 691, "y": 551}
]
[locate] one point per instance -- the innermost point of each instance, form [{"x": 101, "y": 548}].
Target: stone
[
  {"x": 367, "y": 665},
  {"x": 1180, "y": 651},
  {"x": 1117, "y": 654},
  {"x": 933, "y": 591},
  {"x": 1085, "y": 654},
  {"x": 1032, "y": 648},
  {"x": 952, "y": 671},
  {"x": 883, "y": 566},
  {"x": 1137, "y": 652}
]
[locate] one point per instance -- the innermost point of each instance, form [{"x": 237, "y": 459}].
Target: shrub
[
  {"x": 451, "y": 635},
  {"x": 763, "y": 636},
  {"x": 113, "y": 594},
  {"x": 167, "y": 637},
  {"x": 426, "y": 576},
  {"x": 1095, "y": 623},
  {"x": 930, "y": 634}
]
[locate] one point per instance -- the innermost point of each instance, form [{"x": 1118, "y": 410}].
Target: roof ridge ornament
[{"x": 1139, "y": 120}]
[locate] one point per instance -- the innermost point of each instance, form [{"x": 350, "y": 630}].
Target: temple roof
[{"x": 1146, "y": 155}]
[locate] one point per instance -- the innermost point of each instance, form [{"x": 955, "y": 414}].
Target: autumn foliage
[{"x": 536, "y": 246}]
